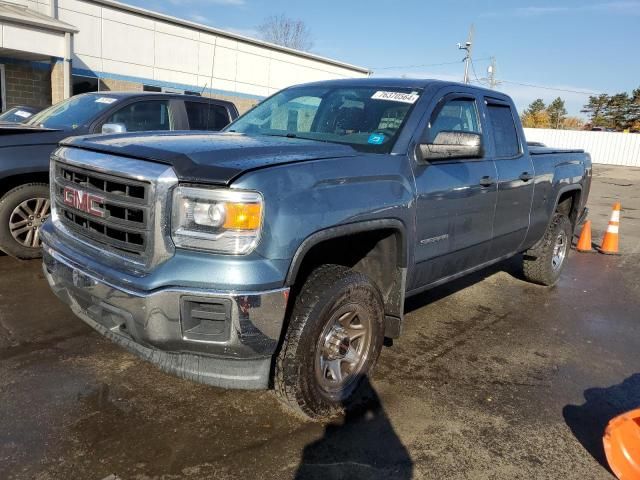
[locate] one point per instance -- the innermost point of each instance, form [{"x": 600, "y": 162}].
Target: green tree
[
  {"x": 535, "y": 107},
  {"x": 535, "y": 115},
  {"x": 618, "y": 111},
  {"x": 557, "y": 112},
  {"x": 634, "y": 110},
  {"x": 596, "y": 108}
]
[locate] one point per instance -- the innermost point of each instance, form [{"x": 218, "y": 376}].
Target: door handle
[
  {"x": 486, "y": 181},
  {"x": 525, "y": 176}
]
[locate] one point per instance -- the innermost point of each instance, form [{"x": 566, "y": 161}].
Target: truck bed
[{"x": 552, "y": 150}]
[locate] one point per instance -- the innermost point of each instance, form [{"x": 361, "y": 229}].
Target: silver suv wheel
[{"x": 26, "y": 219}]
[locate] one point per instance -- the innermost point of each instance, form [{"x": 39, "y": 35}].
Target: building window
[
  {"x": 84, "y": 84},
  {"x": 150, "y": 88}
]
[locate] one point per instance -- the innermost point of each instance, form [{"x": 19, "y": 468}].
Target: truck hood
[
  {"x": 14, "y": 135},
  {"x": 211, "y": 157}
]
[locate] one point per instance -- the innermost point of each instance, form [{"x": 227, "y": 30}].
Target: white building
[{"x": 50, "y": 49}]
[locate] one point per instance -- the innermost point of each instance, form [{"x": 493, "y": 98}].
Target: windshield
[
  {"x": 367, "y": 118},
  {"x": 73, "y": 112},
  {"x": 15, "y": 115}
]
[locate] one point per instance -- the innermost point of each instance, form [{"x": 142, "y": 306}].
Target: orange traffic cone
[
  {"x": 584, "y": 242},
  {"x": 610, "y": 240},
  {"x": 622, "y": 445}
]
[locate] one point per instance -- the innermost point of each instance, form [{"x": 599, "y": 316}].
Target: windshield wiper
[{"x": 287, "y": 135}]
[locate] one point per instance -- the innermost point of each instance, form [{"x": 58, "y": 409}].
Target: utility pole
[
  {"x": 468, "y": 47},
  {"x": 491, "y": 71}
]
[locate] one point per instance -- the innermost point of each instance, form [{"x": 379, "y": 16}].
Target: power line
[
  {"x": 457, "y": 62},
  {"x": 550, "y": 88}
]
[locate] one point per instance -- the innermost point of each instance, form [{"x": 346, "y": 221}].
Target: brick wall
[
  {"x": 119, "y": 85},
  {"x": 26, "y": 84},
  {"x": 57, "y": 82}
]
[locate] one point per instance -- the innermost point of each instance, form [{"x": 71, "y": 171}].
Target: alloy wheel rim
[
  {"x": 343, "y": 348},
  {"x": 27, "y": 218},
  {"x": 559, "y": 251}
]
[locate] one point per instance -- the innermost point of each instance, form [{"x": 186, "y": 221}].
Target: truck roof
[{"x": 396, "y": 83}]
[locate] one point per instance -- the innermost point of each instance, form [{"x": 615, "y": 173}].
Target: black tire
[
  {"x": 541, "y": 264},
  {"x": 329, "y": 291},
  {"x": 18, "y": 247}
]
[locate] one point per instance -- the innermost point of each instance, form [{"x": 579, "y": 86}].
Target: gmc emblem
[{"x": 83, "y": 201}]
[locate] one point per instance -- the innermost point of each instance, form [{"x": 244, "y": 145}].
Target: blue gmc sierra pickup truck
[{"x": 279, "y": 253}]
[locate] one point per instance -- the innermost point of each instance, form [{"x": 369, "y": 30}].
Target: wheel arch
[
  {"x": 10, "y": 182},
  {"x": 377, "y": 248}
]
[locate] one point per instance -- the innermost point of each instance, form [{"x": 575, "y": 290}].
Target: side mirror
[
  {"x": 449, "y": 145},
  {"x": 114, "y": 128}
]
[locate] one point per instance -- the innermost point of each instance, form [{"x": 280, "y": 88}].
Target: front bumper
[{"x": 154, "y": 326}]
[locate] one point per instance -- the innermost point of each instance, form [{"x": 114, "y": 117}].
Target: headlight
[{"x": 216, "y": 219}]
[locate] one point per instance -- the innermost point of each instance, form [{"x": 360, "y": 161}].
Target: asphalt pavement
[{"x": 493, "y": 378}]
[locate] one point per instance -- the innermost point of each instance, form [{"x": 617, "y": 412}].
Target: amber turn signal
[{"x": 243, "y": 216}]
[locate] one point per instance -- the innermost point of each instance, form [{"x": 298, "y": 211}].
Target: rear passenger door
[
  {"x": 206, "y": 116},
  {"x": 515, "y": 178},
  {"x": 456, "y": 198}
]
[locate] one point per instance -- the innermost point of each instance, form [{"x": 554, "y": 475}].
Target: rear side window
[
  {"x": 504, "y": 130},
  {"x": 204, "y": 116}
]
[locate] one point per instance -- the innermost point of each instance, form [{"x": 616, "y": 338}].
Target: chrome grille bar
[{"x": 116, "y": 207}]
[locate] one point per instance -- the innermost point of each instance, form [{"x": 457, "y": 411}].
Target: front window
[
  {"x": 73, "y": 112},
  {"x": 367, "y": 118},
  {"x": 143, "y": 116}
]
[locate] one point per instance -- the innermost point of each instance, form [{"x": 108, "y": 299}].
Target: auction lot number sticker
[{"x": 396, "y": 96}]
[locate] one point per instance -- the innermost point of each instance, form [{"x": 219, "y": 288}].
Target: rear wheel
[
  {"x": 333, "y": 341},
  {"x": 543, "y": 264},
  {"x": 23, "y": 210}
]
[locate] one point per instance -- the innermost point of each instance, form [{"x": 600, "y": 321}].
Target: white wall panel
[
  {"x": 176, "y": 30},
  {"x": 87, "y": 62},
  {"x": 609, "y": 148},
  {"x": 224, "y": 63},
  {"x": 33, "y": 40},
  {"x": 82, "y": 7},
  {"x": 88, "y": 39},
  {"x": 205, "y": 59},
  {"x": 127, "y": 69},
  {"x": 142, "y": 46},
  {"x": 176, "y": 53},
  {"x": 127, "y": 43},
  {"x": 176, "y": 77},
  {"x": 128, "y": 18},
  {"x": 252, "y": 69}
]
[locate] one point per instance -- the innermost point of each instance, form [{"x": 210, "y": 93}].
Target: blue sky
[{"x": 582, "y": 46}]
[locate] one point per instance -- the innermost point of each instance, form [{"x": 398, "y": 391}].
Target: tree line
[
  {"x": 618, "y": 112},
  {"x": 554, "y": 115}
]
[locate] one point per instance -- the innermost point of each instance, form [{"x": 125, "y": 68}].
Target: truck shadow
[
  {"x": 363, "y": 446},
  {"x": 589, "y": 420},
  {"x": 512, "y": 266}
]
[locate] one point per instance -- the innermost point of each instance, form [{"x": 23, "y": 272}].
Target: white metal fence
[{"x": 610, "y": 148}]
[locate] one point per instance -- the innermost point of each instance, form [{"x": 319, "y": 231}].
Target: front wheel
[
  {"x": 333, "y": 341},
  {"x": 544, "y": 263},
  {"x": 23, "y": 210}
]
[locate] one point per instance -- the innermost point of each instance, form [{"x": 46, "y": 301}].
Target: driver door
[{"x": 456, "y": 198}]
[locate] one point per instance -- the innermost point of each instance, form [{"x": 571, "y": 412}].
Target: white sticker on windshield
[
  {"x": 106, "y": 100},
  {"x": 22, "y": 113},
  {"x": 396, "y": 96}
]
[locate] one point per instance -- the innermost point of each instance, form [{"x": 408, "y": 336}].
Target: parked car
[
  {"x": 25, "y": 148},
  {"x": 19, "y": 114},
  {"x": 280, "y": 251}
]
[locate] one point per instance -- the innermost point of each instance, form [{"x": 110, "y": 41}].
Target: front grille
[{"x": 118, "y": 216}]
